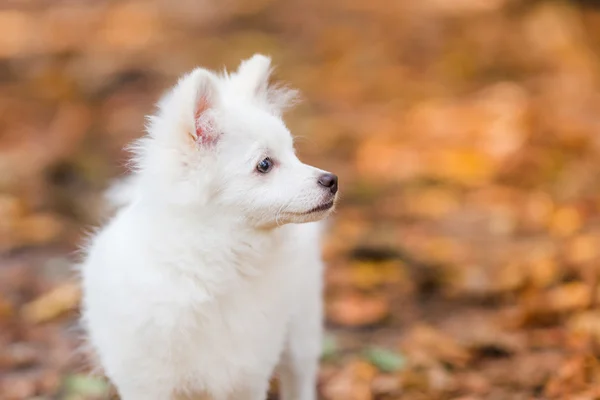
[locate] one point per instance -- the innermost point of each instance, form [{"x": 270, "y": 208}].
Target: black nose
[{"x": 329, "y": 181}]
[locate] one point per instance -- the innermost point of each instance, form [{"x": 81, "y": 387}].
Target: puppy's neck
[
  {"x": 214, "y": 250},
  {"x": 207, "y": 228}
]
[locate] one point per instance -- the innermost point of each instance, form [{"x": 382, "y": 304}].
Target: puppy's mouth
[{"x": 322, "y": 207}]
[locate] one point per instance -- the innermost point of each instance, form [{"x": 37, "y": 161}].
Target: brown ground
[{"x": 464, "y": 259}]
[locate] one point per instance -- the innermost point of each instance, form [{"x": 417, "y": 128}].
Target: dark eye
[{"x": 264, "y": 166}]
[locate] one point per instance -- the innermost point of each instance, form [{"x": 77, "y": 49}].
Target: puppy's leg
[{"x": 300, "y": 361}]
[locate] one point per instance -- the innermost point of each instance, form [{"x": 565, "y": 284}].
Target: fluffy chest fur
[{"x": 217, "y": 300}]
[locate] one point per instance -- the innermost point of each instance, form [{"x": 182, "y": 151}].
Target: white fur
[{"x": 209, "y": 276}]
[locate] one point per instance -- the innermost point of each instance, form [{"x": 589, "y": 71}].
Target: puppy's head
[{"x": 219, "y": 141}]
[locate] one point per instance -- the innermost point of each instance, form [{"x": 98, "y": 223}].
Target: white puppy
[{"x": 209, "y": 276}]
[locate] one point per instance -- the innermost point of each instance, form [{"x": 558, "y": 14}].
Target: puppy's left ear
[
  {"x": 206, "y": 100},
  {"x": 252, "y": 78},
  {"x": 254, "y": 73}
]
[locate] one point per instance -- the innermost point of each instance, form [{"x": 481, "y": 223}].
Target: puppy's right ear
[{"x": 206, "y": 101}]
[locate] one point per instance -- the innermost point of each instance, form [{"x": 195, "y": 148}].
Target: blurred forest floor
[{"x": 464, "y": 258}]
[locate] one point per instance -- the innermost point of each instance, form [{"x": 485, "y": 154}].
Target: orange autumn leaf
[{"x": 355, "y": 309}]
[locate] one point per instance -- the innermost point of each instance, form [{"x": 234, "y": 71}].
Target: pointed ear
[
  {"x": 253, "y": 74},
  {"x": 252, "y": 78},
  {"x": 206, "y": 100}
]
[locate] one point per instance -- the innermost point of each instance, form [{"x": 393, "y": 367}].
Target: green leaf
[
  {"x": 86, "y": 385},
  {"x": 329, "y": 347},
  {"x": 384, "y": 359}
]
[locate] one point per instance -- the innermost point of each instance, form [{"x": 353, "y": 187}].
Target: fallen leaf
[
  {"x": 585, "y": 324},
  {"x": 583, "y": 249},
  {"x": 371, "y": 275},
  {"x": 6, "y": 308},
  {"x": 427, "y": 345},
  {"x": 18, "y": 355},
  {"x": 569, "y": 297},
  {"x": 573, "y": 376},
  {"x": 52, "y": 304},
  {"x": 353, "y": 382},
  {"x": 543, "y": 270},
  {"x": 565, "y": 221},
  {"x": 76, "y": 386},
  {"x": 39, "y": 229},
  {"x": 384, "y": 359},
  {"x": 17, "y": 386},
  {"x": 354, "y": 310},
  {"x": 16, "y": 33},
  {"x": 329, "y": 347},
  {"x": 386, "y": 385}
]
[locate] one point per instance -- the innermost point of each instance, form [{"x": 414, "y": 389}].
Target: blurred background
[{"x": 464, "y": 258}]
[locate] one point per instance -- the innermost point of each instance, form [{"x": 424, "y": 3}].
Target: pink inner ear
[{"x": 203, "y": 135}]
